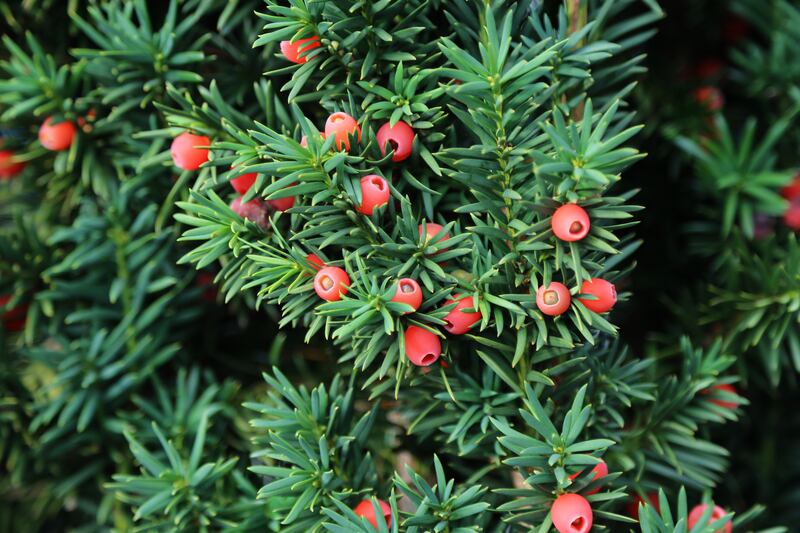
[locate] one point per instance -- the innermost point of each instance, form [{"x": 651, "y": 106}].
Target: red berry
[
  {"x": 243, "y": 183},
  {"x": 281, "y": 204},
  {"x": 400, "y": 138},
  {"x": 315, "y": 262},
  {"x": 255, "y": 211},
  {"x": 341, "y": 126},
  {"x": 8, "y": 167},
  {"x": 186, "y": 153},
  {"x": 735, "y": 29},
  {"x": 423, "y": 347},
  {"x": 710, "y": 98},
  {"x": 716, "y": 513},
  {"x": 709, "y": 68},
  {"x": 570, "y": 222},
  {"x": 14, "y": 318},
  {"x": 365, "y": 509},
  {"x": 791, "y": 217},
  {"x": 632, "y": 509},
  {"x": 57, "y": 137},
  {"x": 205, "y": 280},
  {"x": 374, "y": 193},
  {"x": 571, "y": 513},
  {"x": 431, "y": 230},
  {"x": 553, "y": 300},
  {"x": 792, "y": 191},
  {"x": 600, "y": 470},
  {"x": 726, "y": 388},
  {"x": 331, "y": 283},
  {"x": 408, "y": 292},
  {"x": 604, "y": 291},
  {"x": 458, "y": 320},
  {"x": 297, "y": 52}
]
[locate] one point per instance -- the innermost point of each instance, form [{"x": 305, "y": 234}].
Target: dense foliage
[{"x": 177, "y": 352}]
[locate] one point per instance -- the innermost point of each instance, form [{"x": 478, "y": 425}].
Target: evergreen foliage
[{"x": 135, "y": 397}]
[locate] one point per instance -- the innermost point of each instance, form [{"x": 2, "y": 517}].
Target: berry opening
[
  {"x": 393, "y": 144},
  {"x": 326, "y": 282},
  {"x": 577, "y": 524},
  {"x": 377, "y": 182},
  {"x": 406, "y": 287},
  {"x": 448, "y": 325},
  {"x": 550, "y": 297},
  {"x": 576, "y": 227},
  {"x": 427, "y": 359},
  {"x": 337, "y": 117}
]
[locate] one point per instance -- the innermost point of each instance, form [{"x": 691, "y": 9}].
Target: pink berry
[
  {"x": 716, "y": 513},
  {"x": 57, "y": 137},
  {"x": 365, "y": 509},
  {"x": 8, "y": 166},
  {"x": 571, "y": 513},
  {"x": 374, "y": 193},
  {"x": 458, "y": 320},
  {"x": 399, "y": 137},
  {"x": 605, "y": 295},
  {"x": 600, "y": 470},
  {"x": 423, "y": 347},
  {"x": 189, "y": 152},
  {"x": 554, "y": 299},
  {"x": 408, "y": 292},
  {"x": 331, "y": 283},
  {"x": 570, "y": 222},
  {"x": 297, "y": 52},
  {"x": 341, "y": 126}
]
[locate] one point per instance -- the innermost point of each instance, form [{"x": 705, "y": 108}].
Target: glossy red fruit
[
  {"x": 554, "y": 299},
  {"x": 600, "y": 470},
  {"x": 297, "y": 52},
  {"x": 399, "y": 137},
  {"x": 281, "y": 204},
  {"x": 458, "y": 320},
  {"x": 243, "y": 183},
  {"x": 604, "y": 292},
  {"x": 13, "y": 319},
  {"x": 792, "y": 191},
  {"x": 57, "y": 137},
  {"x": 315, "y": 262},
  {"x": 331, "y": 283},
  {"x": 726, "y": 388},
  {"x": 342, "y": 126},
  {"x": 187, "y": 153},
  {"x": 365, "y": 509},
  {"x": 710, "y": 98},
  {"x": 709, "y": 68},
  {"x": 632, "y": 509},
  {"x": 8, "y": 166},
  {"x": 791, "y": 217},
  {"x": 255, "y": 211},
  {"x": 408, "y": 292},
  {"x": 374, "y": 193},
  {"x": 570, "y": 223},
  {"x": 205, "y": 280},
  {"x": 423, "y": 347},
  {"x": 431, "y": 230},
  {"x": 571, "y": 513},
  {"x": 716, "y": 513}
]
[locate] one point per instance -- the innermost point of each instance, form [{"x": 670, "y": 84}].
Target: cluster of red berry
[
  {"x": 572, "y": 513},
  {"x": 54, "y": 136}
]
